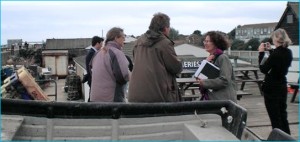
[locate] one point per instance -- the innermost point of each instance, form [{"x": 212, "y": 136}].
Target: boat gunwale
[{"x": 99, "y": 110}]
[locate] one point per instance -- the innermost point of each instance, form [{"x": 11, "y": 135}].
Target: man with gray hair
[{"x": 155, "y": 65}]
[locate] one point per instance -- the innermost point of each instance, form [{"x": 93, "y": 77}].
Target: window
[{"x": 289, "y": 19}]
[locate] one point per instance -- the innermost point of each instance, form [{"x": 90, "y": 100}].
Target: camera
[{"x": 265, "y": 45}]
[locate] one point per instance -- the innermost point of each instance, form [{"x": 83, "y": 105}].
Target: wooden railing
[{"x": 248, "y": 56}]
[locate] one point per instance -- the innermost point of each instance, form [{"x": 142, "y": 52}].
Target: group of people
[{"x": 156, "y": 65}]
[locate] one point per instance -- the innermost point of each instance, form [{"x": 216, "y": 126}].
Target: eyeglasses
[{"x": 206, "y": 41}]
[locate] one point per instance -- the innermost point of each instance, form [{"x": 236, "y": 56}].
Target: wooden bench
[
  {"x": 193, "y": 89},
  {"x": 239, "y": 75},
  {"x": 258, "y": 81},
  {"x": 190, "y": 97},
  {"x": 240, "y": 94}
]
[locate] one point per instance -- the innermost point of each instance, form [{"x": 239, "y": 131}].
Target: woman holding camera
[{"x": 275, "y": 69}]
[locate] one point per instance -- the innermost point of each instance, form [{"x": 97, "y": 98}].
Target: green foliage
[
  {"x": 26, "y": 54},
  {"x": 38, "y": 57},
  {"x": 197, "y": 32},
  {"x": 173, "y": 35},
  {"x": 252, "y": 44},
  {"x": 231, "y": 34},
  {"x": 202, "y": 38},
  {"x": 237, "y": 44},
  {"x": 266, "y": 40}
]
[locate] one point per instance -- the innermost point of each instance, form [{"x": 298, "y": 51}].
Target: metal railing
[{"x": 55, "y": 86}]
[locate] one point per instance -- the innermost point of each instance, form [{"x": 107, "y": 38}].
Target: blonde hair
[{"x": 280, "y": 36}]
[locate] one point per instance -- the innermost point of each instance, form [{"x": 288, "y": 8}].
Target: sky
[{"x": 36, "y": 21}]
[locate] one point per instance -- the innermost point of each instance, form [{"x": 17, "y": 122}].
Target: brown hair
[{"x": 218, "y": 39}]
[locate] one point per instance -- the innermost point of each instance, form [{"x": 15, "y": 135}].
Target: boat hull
[{"x": 211, "y": 120}]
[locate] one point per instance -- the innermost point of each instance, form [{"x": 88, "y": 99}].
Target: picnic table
[
  {"x": 185, "y": 84},
  {"x": 186, "y": 73},
  {"x": 189, "y": 83},
  {"x": 244, "y": 71}
]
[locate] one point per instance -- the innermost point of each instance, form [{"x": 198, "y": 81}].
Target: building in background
[
  {"x": 290, "y": 21},
  {"x": 260, "y": 31}
]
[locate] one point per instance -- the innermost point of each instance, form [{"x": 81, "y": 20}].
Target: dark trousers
[{"x": 275, "y": 101}]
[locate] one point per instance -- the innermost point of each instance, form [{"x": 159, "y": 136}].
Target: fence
[{"x": 248, "y": 56}]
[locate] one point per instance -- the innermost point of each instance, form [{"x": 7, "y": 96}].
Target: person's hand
[
  {"x": 210, "y": 58},
  {"x": 199, "y": 81},
  {"x": 261, "y": 47},
  {"x": 268, "y": 46}
]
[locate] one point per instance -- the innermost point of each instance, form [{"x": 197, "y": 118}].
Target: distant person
[
  {"x": 155, "y": 65},
  {"x": 275, "y": 69},
  {"x": 222, "y": 87},
  {"x": 110, "y": 69},
  {"x": 97, "y": 43},
  {"x": 26, "y": 45}
]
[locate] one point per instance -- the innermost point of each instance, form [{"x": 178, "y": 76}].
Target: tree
[
  {"x": 266, "y": 40},
  {"x": 26, "y": 56},
  {"x": 237, "y": 44},
  {"x": 197, "y": 32},
  {"x": 252, "y": 44},
  {"x": 38, "y": 57},
  {"x": 231, "y": 34},
  {"x": 173, "y": 35}
]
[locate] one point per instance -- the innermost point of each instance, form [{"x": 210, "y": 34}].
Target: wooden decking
[{"x": 258, "y": 119}]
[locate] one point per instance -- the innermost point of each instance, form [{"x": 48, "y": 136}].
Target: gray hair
[
  {"x": 281, "y": 37},
  {"x": 113, "y": 33},
  {"x": 159, "y": 22}
]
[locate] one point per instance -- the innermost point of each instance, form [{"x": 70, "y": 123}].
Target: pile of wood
[{"x": 28, "y": 82}]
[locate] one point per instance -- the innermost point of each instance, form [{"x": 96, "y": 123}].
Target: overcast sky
[{"x": 38, "y": 21}]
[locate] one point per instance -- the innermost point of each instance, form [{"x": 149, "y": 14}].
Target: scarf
[{"x": 203, "y": 90}]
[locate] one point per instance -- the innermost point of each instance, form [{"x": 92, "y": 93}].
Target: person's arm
[
  {"x": 267, "y": 65},
  {"x": 225, "y": 75},
  {"x": 119, "y": 66},
  {"x": 172, "y": 63},
  {"x": 87, "y": 62},
  {"x": 130, "y": 65}
]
